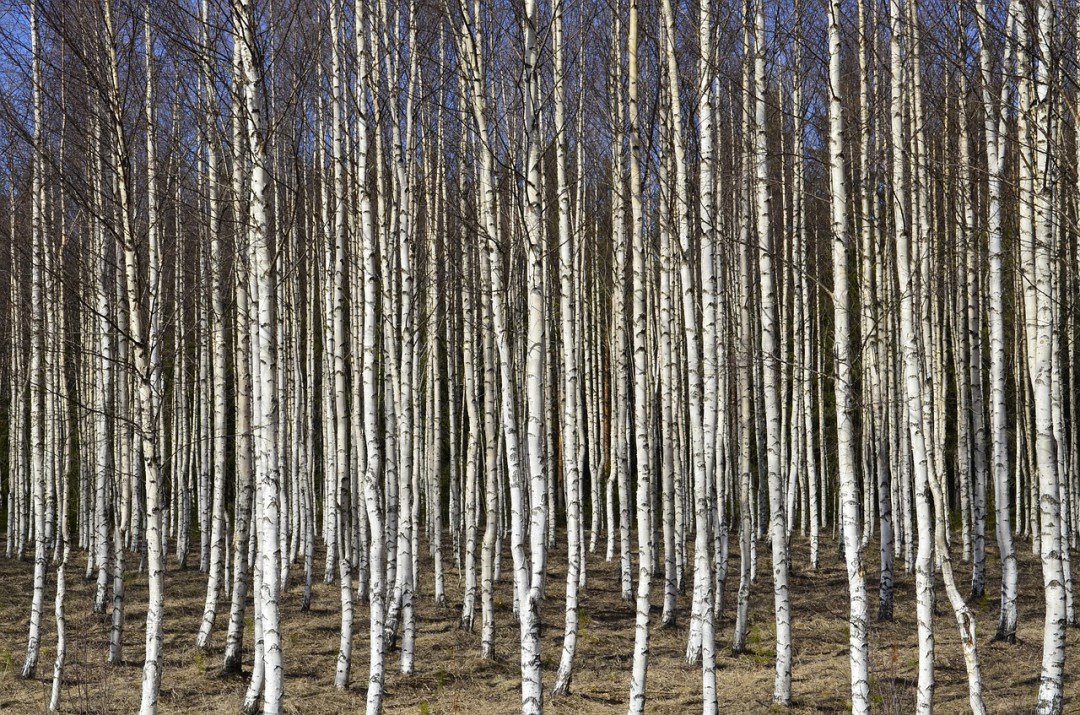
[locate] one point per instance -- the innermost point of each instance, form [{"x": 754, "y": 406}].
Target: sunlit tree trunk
[
  {"x": 570, "y": 340},
  {"x": 769, "y": 332},
  {"x": 218, "y": 339},
  {"x": 244, "y": 450},
  {"x": 37, "y": 350},
  {"x": 641, "y": 378},
  {"x": 744, "y": 432},
  {"x": 337, "y": 251},
  {"x": 264, "y": 372},
  {"x": 999, "y": 461},
  {"x": 373, "y": 445},
  {"x": 845, "y": 427},
  {"x": 909, "y": 351},
  {"x": 1037, "y": 263}
]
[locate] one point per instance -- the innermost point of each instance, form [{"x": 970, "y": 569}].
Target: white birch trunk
[
  {"x": 37, "y": 350},
  {"x": 849, "y": 516},
  {"x": 999, "y": 445},
  {"x": 911, "y": 374},
  {"x": 569, "y": 428},
  {"x": 1041, "y": 344},
  {"x": 264, "y": 426},
  {"x": 218, "y": 561},
  {"x": 769, "y": 332},
  {"x": 641, "y": 381}
]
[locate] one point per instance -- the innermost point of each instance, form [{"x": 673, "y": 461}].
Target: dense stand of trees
[{"x": 416, "y": 283}]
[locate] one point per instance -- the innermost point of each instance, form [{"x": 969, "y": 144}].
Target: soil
[{"x": 451, "y": 677}]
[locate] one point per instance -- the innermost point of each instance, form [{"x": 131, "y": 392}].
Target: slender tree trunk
[
  {"x": 643, "y": 455},
  {"x": 769, "y": 333},
  {"x": 264, "y": 426},
  {"x": 37, "y": 350},
  {"x": 1041, "y": 344},
  {"x": 853, "y": 556},
  {"x": 569, "y": 428}
]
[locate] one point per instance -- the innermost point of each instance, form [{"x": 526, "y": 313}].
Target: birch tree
[
  {"x": 857, "y": 621},
  {"x": 37, "y": 349},
  {"x": 264, "y": 423},
  {"x": 1038, "y": 272},
  {"x": 769, "y": 334},
  {"x": 412, "y": 297}
]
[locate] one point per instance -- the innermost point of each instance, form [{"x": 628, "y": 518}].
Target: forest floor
[{"x": 450, "y": 676}]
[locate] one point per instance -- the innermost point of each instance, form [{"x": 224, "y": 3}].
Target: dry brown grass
[{"x": 450, "y": 676}]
